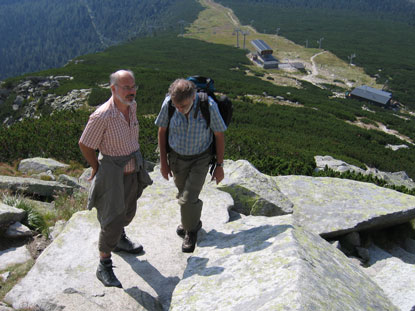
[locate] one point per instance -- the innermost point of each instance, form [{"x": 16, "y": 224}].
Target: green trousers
[
  {"x": 189, "y": 173},
  {"x": 111, "y": 232}
]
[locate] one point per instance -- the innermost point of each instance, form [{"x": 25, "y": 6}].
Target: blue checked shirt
[{"x": 190, "y": 136}]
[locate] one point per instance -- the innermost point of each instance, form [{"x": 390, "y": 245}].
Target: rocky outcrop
[
  {"x": 32, "y": 95},
  {"x": 259, "y": 263},
  {"x": 254, "y": 193},
  {"x": 40, "y": 165},
  {"x": 332, "y": 207},
  {"x": 33, "y": 187},
  {"x": 64, "y": 274},
  {"x": 391, "y": 178},
  {"x": 249, "y": 263}
]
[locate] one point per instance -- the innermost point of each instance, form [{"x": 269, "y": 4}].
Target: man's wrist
[{"x": 219, "y": 164}]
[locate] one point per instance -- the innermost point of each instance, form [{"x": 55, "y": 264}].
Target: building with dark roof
[
  {"x": 372, "y": 95},
  {"x": 264, "y": 54}
]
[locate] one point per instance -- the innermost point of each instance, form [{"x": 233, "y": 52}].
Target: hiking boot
[
  {"x": 106, "y": 275},
  {"x": 126, "y": 245},
  {"x": 181, "y": 232},
  {"x": 190, "y": 238}
]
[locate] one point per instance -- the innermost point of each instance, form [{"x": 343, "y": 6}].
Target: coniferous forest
[{"x": 42, "y": 34}]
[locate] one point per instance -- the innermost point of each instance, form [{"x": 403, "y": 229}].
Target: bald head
[{"x": 115, "y": 77}]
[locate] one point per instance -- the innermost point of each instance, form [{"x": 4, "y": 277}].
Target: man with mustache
[
  {"x": 116, "y": 184},
  {"x": 189, "y": 140}
]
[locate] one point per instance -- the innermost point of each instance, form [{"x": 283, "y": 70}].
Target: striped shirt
[
  {"x": 108, "y": 131},
  {"x": 189, "y": 136}
]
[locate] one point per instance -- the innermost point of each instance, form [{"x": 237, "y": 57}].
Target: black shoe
[
  {"x": 106, "y": 275},
  {"x": 190, "y": 238},
  {"x": 126, "y": 245},
  {"x": 181, "y": 232}
]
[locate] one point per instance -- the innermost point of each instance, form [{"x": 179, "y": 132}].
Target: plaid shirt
[
  {"x": 108, "y": 131},
  {"x": 189, "y": 136}
]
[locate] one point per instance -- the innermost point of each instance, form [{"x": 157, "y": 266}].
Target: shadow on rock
[
  {"x": 200, "y": 265},
  {"x": 253, "y": 240},
  {"x": 163, "y": 286}
]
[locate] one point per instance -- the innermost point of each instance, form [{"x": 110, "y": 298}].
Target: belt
[{"x": 191, "y": 157}]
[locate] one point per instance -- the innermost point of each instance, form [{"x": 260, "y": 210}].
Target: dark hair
[{"x": 182, "y": 89}]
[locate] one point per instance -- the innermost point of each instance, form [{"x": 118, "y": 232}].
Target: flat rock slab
[
  {"x": 332, "y": 207},
  {"x": 14, "y": 256},
  {"x": 64, "y": 274},
  {"x": 10, "y": 214},
  {"x": 32, "y": 186},
  {"x": 269, "y": 263},
  {"x": 254, "y": 193},
  {"x": 39, "y": 165},
  {"x": 394, "y": 272}
]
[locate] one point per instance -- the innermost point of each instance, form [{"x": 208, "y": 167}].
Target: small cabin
[
  {"x": 264, "y": 54},
  {"x": 371, "y": 95}
]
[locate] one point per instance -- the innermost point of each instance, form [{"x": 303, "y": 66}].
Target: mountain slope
[
  {"x": 380, "y": 33},
  {"x": 43, "y": 34}
]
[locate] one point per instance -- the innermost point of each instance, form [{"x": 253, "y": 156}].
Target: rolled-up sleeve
[{"x": 94, "y": 132}]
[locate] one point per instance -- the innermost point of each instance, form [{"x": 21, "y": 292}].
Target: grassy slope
[{"x": 384, "y": 48}]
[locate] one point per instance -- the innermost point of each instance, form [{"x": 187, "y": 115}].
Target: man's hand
[
  {"x": 165, "y": 171},
  {"x": 94, "y": 172},
  {"x": 218, "y": 174}
]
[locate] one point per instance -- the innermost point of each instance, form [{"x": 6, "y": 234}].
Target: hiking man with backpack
[{"x": 185, "y": 141}]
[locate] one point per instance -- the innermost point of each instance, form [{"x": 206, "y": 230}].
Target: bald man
[{"x": 113, "y": 130}]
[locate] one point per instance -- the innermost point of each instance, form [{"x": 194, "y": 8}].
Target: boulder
[
  {"x": 9, "y": 215},
  {"x": 14, "y": 256},
  {"x": 39, "y": 165},
  {"x": 254, "y": 193},
  {"x": 336, "y": 165},
  {"x": 69, "y": 181},
  {"x": 32, "y": 186},
  {"x": 333, "y": 207},
  {"x": 393, "y": 271},
  {"x": 18, "y": 230},
  {"x": 64, "y": 274},
  {"x": 391, "y": 178},
  {"x": 271, "y": 263},
  {"x": 83, "y": 179}
]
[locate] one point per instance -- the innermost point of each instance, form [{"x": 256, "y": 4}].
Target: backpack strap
[
  {"x": 204, "y": 107},
  {"x": 171, "y": 110}
]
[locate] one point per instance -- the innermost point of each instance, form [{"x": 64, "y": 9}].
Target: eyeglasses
[{"x": 128, "y": 88}]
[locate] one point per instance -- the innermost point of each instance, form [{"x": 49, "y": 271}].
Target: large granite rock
[
  {"x": 259, "y": 263},
  {"x": 252, "y": 263},
  {"x": 9, "y": 215},
  {"x": 39, "y": 165},
  {"x": 14, "y": 256},
  {"x": 332, "y": 207},
  {"x": 391, "y": 178},
  {"x": 254, "y": 193},
  {"x": 64, "y": 274},
  {"x": 393, "y": 270},
  {"x": 32, "y": 186}
]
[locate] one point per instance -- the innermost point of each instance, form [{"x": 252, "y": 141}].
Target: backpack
[{"x": 205, "y": 87}]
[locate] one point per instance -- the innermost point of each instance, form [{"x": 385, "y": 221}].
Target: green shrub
[
  {"x": 98, "y": 96},
  {"x": 33, "y": 219}
]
